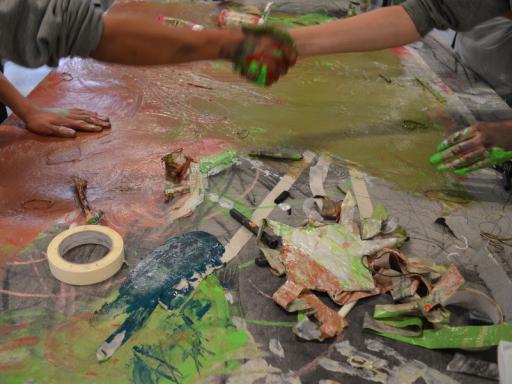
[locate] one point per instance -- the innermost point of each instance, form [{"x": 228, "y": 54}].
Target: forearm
[
  {"x": 10, "y": 96},
  {"x": 135, "y": 40},
  {"x": 383, "y": 28}
]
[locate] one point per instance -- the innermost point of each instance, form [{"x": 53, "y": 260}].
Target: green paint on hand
[
  {"x": 253, "y": 69},
  {"x": 435, "y": 158},
  {"x": 262, "y": 78}
]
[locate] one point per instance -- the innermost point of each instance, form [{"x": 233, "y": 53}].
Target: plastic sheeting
[{"x": 335, "y": 8}]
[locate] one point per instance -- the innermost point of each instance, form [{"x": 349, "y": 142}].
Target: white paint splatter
[
  {"x": 229, "y": 297},
  {"x": 276, "y": 348},
  {"x": 257, "y": 369},
  {"x": 376, "y": 369}
]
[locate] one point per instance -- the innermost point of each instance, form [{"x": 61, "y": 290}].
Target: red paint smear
[
  {"x": 20, "y": 342},
  {"x": 122, "y": 165},
  {"x": 7, "y": 329},
  {"x": 401, "y": 52}
]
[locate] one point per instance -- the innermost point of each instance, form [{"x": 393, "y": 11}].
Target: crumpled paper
[{"x": 325, "y": 258}]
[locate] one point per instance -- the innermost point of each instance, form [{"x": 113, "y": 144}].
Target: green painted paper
[
  {"x": 468, "y": 337},
  {"x": 215, "y": 164}
]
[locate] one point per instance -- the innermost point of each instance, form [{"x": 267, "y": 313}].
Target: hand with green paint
[
  {"x": 265, "y": 54},
  {"x": 478, "y": 146}
]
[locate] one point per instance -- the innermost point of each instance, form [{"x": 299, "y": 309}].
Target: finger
[
  {"x": 456, "y": 151},
  {"x": 465, "y": 160},
  {"x": 61, "y": 131},
  {"x": 84, "y": 113},
  {"x": 92, "y": 120},
  {"x": 80, "y": 111},
  {"x": 282, "y": 63},
  {"x": 262, "y": 78},
  {"x": 475, "y": 167},
  {"x": 81, "y": 125},
  {"x": 267, "y": 71},
  {"x": 457, "y": 137},
  {"x": 290, "y": 55},
  {"x": 272, "y": 72},
  {"x": 253, "y": 70},
  {"x": 101, "y": 122}
]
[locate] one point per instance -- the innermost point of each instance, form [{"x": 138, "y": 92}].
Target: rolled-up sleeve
[
  {"x": 460, "y": 15},
  {"x": 38, "y": 32}
]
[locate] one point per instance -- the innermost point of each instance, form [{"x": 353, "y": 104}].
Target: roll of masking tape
[{"x": 91, "y": 273}]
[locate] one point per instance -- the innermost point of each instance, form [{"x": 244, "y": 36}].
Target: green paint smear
[
  {"x": 185, "y": 338},
  {"x": 218, "y": 163},
  {"x": 247, "y": 264},
  {"x": 267, "y": 323},
  {"x": 451, "y": 337},
  {"x": 339, "y": 104},
  {"x": 380, "y": 212}
]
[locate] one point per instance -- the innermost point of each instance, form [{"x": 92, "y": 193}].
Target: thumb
[{"x": 60, "y": 131}]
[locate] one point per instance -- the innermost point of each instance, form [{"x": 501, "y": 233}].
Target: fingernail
[
  {"x": 441, "y": 147},
  {"x": 442, "y": 168},
  {"x": 262, "y": 78},
  {"x": 253, "y": 68},
  {"x": 435, "y": 158}
]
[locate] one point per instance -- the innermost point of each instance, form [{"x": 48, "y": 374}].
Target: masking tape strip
[
  {"x": 365, "y": 205},
  {"x": 91, "y": 273},
  {"x": 242, "y": 236}
]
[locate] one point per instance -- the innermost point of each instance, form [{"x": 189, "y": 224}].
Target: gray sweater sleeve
[
  {"x": 460, "y": 15},
  {"x": 37, "y": 32}
]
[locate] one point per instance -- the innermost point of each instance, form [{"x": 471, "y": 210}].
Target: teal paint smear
[
  {"x": 155, "y": 280},
  {"x": 199, "y": 335}
]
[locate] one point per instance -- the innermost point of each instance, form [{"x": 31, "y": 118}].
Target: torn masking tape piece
[{"x": 175, "y": 191}]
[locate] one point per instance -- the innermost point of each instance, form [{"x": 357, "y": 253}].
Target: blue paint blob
[{"x": 164, "y": 276}]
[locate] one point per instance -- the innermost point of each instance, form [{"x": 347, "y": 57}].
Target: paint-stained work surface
[
  {"x": 225, "y": 326},
  {"x": 228, "y": 329}
]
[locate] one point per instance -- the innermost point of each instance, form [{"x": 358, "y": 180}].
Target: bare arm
[
  {"x": 379, "y": 29},
  {"x": 129, "y": 39},
  {"x": 13, "y": 99}
]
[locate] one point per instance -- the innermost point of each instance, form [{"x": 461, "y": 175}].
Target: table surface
[{"x": 46, "y": 332}]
